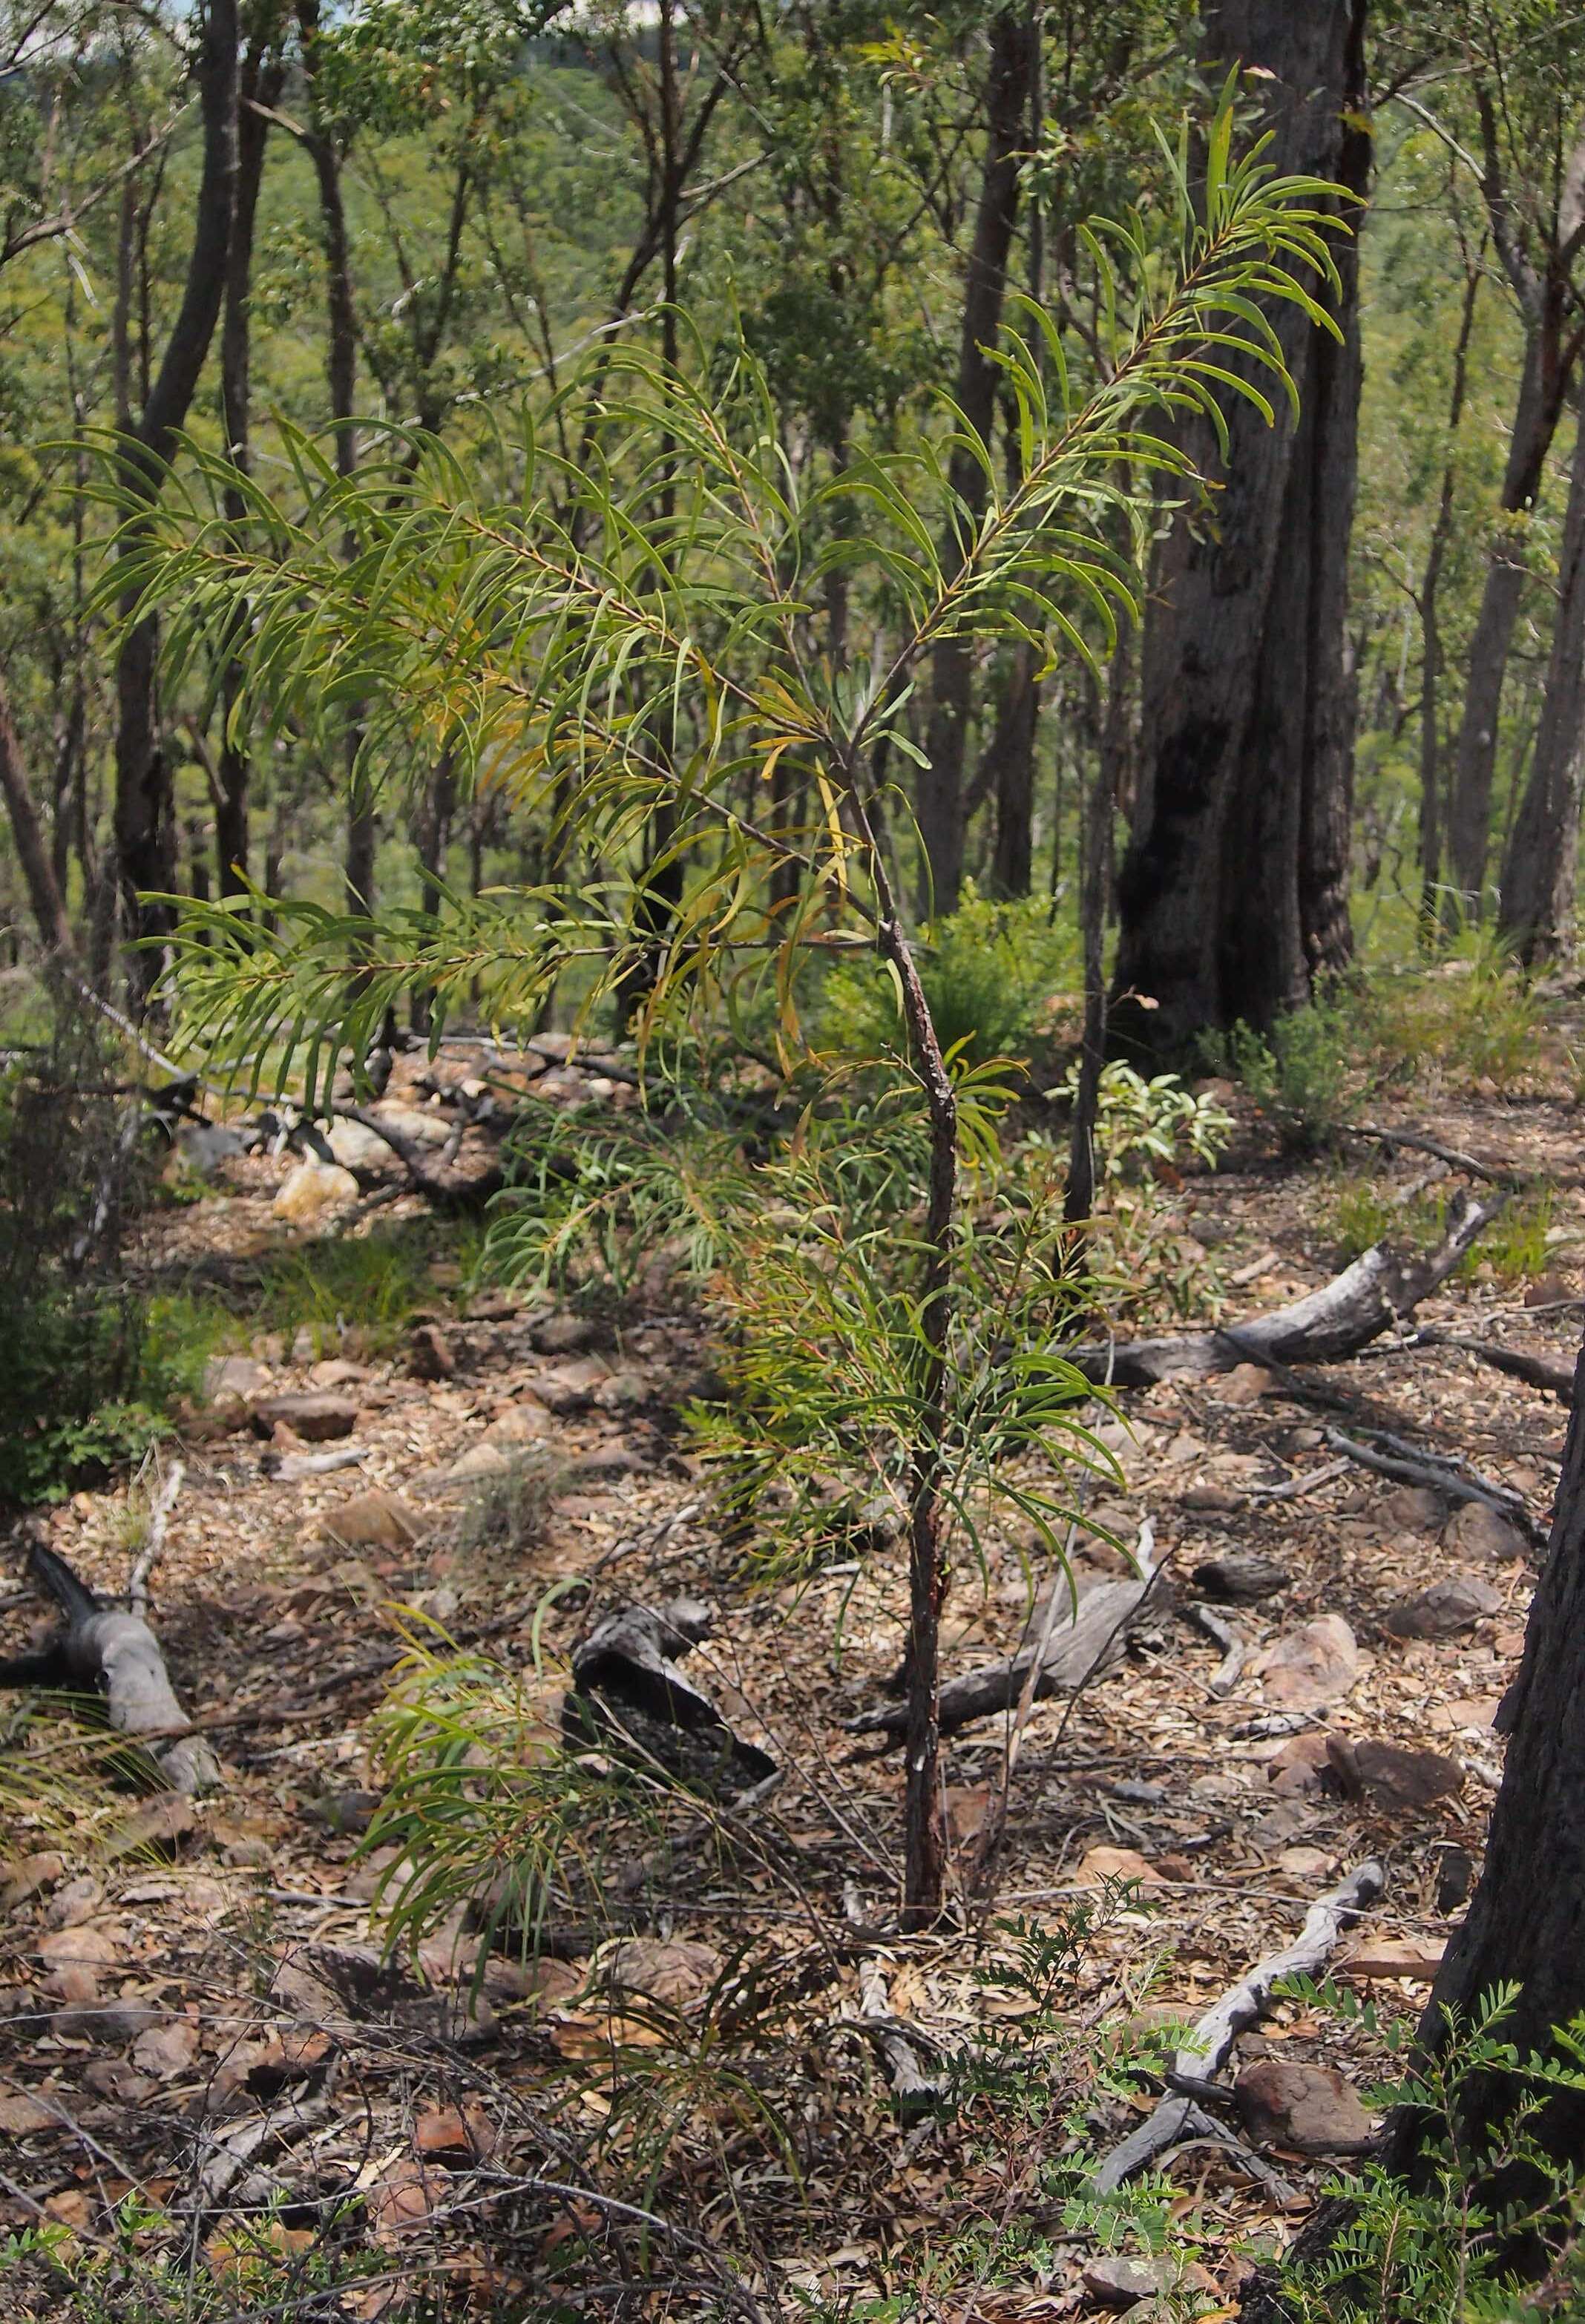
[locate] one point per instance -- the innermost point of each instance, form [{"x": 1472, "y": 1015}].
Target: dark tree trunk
[
  {"x": 146, "y": 836},
  {"x": 1537, "y": 897},
  {"x": 1110, "y": 784},
  {"x": 1014, "y": 47},
  {"x": 261, "y": 79},
  {"x": 1539, "y": 405},
  {"x": 1012, "y": 864},
  {"x": 1234, "y": 891},
  {"x": 1431, "y": 832},
  {"x": 44, "y": 890},
  {"x": 1523, "y": 1923}
]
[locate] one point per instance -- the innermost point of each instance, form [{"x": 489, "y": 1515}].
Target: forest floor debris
[{"x": 203, "y": 2016}]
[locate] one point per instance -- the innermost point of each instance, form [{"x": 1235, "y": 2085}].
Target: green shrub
[
  {"x": 1298, "y": 1076},
  {"x": 991, "y": 972}
]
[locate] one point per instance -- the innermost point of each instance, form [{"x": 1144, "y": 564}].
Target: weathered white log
[
  {"x": 1206, "y": 2052},
  {"x": 106, "y": 1651}
]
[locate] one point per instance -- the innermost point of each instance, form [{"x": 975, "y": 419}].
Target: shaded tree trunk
[
  {"x": 1524, "y": 1921},
  {"x": 261, "y": 79},
  {"x": 44, "y": 894},
  {"x": 1110, "y": 784},
  {"x": 1234, "y": 891},
  {"x": 1539, "y": 869},
  {"x": 1430, "y": 661},
  {"x": 941, "y": 803},
  {"x": 146, "y": 836}
]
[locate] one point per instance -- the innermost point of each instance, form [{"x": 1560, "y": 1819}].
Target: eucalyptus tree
[
  {"x": 624, "y": 630},
  {"x": 1233, "y": 894}
]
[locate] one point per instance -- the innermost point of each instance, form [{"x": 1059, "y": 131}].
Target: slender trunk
[
  {"x": 433, "y": 836},
  {"x": 145, "y": 839},
  {"x": 43, "y": 891},
  {"x": 1109, "y": 786},
  {"x": 1542, "y": 387},
  {"x": 262, "y": 79},
  {"x": 1014, "y": 45},
  {"x": 1431, "y": 631},
  {"x": 1538, "y": 875},
  {"x": 1233, "y": 893}
]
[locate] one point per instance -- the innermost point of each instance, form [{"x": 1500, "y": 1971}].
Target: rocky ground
[{"x": 198, "y": 2008}]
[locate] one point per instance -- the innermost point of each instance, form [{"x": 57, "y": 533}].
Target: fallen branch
[
  {"x": 1415, "y": 1142},
  {"x": 1536, "y": 1371},
  {"x": 1203, "y": 2058},
  {"x": 1235, "y": 1649},
  {"x": 1371, "y": 1296},
  {"x": 286, "y": 1468},
  {"x": 1072, "y": 1654},
  {"x": 1407, "y": 1465},
  {"x": 153, "y": 1549},
  {"x": 449, "y": 1187},
  {"x": 104, "y": 1652},
  {"x": 916, "y": 2092}
]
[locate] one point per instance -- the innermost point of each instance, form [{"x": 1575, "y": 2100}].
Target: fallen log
[
  {"x": 1204, "y": 2055},
  {"x": 627, "y": 1689},
  {"x": 102, "y": 1651},
  {"x": 1071, "y": 1654},
  {"x": 1535, "y": 1371},
  {"x": 1381, "y": 1288},
  {"x": 1411, "y": 1464}
]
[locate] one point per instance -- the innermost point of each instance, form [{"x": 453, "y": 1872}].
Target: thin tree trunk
[
  {"x": 262, "y": 79},
  {"x": 1538, "y": 876},
  {"x": 1014, "y": 44},
  {"x": 1431, "y": 836},
  {"x": 145, "y": 837},
  {"x": 43, "y": 892},
  {"x": 1109, "y": 786},
  {"x": 1233, "y": 892}
]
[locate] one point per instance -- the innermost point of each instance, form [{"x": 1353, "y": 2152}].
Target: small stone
[
  {"x": 312, "y": 1189},
  {"x": 430, "y": 1355},
  {"x": 1211, "y": 1501},
  {"x": 572, "y": 1387},
  {"x": 314, "y": 1417},
  {"x": 1548, "y": 1290},
  {"x": 1477, "y": 1531},
  {"x": 305, "y": 1344},
  {"x": 78, "y": 1901},
  {"x": 1310, "y": 2109},
  {"x": 167, "y": 2051},
  {"x": 108, "y": 2077},
  {"x": 1240, "y": 1580},
  {"x": 22, "y": 2114},
  {"x": 346, "y": 1814},
  {"x": 1296, "y": 1772},
  {"x": 1394, "y": 1778},
  {"x": 374, "y": 1520},
  {"x": 337, "y": 1371},
  {"x": 158, "y": 1827},
  {"x": 248, "y": 1855},
  {"x": 1304, "y": 1863},
  {"x": 1311, "y": 1666},
  {"x": 357, "y": 1148},
  {"x": 1121, "y": 2283},
  {"x": 562, "y": 1334},
  {"x": 1455, "y": 1876},
  {"x": 232, "y": 1378},
  {"x": 1457, "y": 1602},
  {"x": 90, "y": 1947},
  {"x": 527, "y": 1422},
  {"x": 1246, "y": 1384},
  {"x": 28, "y": 1876},
  {"x": 676, "y": 1970},
  {"x": 1413, "y": 1508},
  {"x": 1100, "y": 1864}
]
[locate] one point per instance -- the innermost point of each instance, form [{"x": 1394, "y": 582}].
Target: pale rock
[
  {"x": 27, "y": 1876},
  {"x": 562, "y": 1334},
  {"x": 1246, "y": 1384},
  {"x": 78, "y": 1901},
  {"x": 1312, "y": 1665},
  {"x": 1455, "y": 1602},
  {"x": 1477, "y": 1531},
  {"x": 1412, "y": 1509},
  {"x": 678, "y": 1970},
  {"x": 232, "y": 1379},
  {"x": 312, "y": 1189},
  {"x": 375, "y": 1520},
  {"x": 572, "y": 1387},
  {"x": 337, "y": 1371},
  {"x": 415, "y": 1125},
  {"x": 1104, "y": 1863},
  {"x": 1310, "y": 2108},
  {"x": 1418, "y": 1959},
  {"x": 358, "y": 1148},
  {"x": 1122, "y": 2283}
]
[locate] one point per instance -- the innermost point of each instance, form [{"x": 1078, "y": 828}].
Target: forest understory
[{"x": 720, "y": 2079}]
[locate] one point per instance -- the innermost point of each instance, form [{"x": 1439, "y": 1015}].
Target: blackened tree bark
[
  {"x": 263, "y": 73},
  {"x": 341, "y": 364},
  {"x": 1110, "y": 784},
  {"x": 1523, "y": 1923},
  {"x": 1538, "y": 875},
  {"x": 1542, "y": 282},
  {"x": 145, "y": 833},
  {"x": 1234, "y": 890},
  {"x": 1009, "y": 76}
]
